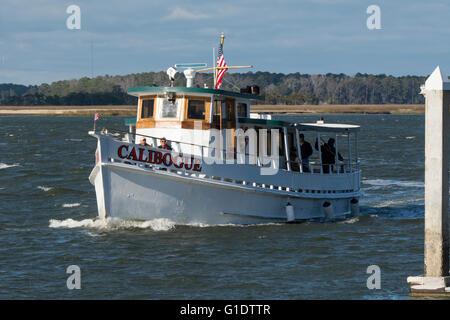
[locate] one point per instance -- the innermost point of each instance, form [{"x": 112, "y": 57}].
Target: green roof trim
[
  {"x": 130, "y": 121},
  {"x": 264, "y": 122},
  {"x": 194, "y": 90},
  {"x": 328, "y": 127}
]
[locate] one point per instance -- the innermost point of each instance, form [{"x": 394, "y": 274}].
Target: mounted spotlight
[{"x": 171, "y": 72}]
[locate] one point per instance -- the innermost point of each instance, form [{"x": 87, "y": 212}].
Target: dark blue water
[{"x": 48, "y": 222}]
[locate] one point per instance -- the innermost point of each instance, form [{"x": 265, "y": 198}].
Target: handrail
[
  {"x": 258, "y": 162},
  {"x": 188, "y": 143}
]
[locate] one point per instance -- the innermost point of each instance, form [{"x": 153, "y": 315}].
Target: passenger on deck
[
  {"x": 144, "y": 142},
  {"x": 164, "y": 145},
  {"x": 306, "y": 152},
  {"x": 328, "y": 155}
]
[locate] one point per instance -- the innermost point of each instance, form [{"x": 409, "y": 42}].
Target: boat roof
[
  {"x": 145, "y": 91},
  {"x": 317, "y": 126},
  {"x": 327, "y": 127}
]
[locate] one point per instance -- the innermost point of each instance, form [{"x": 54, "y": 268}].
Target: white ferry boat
[{"x": 220, "y": 164}]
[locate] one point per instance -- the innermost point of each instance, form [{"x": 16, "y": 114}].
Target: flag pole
[
  {"x": 222, "y": 37},
  {"x": 95, "y": 118},
  {"x": 214, "y": 65}
]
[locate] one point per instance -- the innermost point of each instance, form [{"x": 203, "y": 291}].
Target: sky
[{"x": 118, "y": 37}]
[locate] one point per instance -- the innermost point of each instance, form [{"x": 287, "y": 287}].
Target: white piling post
[{"x": 436, "y": 278}]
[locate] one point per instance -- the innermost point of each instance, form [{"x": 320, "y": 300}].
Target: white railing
[
  {"x": 336, "y": 183},
  {"x": 314, "y": 167}
]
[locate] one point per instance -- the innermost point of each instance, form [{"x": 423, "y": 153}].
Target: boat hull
[{"x": 131, "y": 192}]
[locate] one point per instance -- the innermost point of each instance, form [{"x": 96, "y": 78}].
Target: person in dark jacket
[
  {"x": 144, "y": 142},
  {"x": 306, "y": 151},
  {"x": 164, "y": 144},
  {"x": 328, "y": 155}
]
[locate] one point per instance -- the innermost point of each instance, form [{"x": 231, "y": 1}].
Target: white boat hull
[
  {"x": 134, "y": 193},
  {"x": 135, "y": 182}
]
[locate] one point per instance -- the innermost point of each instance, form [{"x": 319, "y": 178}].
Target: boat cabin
[
  {"x": 179, "y": 113},
  {"x": 194, "y": 119},
  {"x": 226, "y": 165}
]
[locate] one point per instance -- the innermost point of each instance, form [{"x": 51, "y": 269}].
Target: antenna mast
[
  {"x": 214, "y": 62},
  {"x": 216, "y": 68},
  {"x": 222, "y": 37}
]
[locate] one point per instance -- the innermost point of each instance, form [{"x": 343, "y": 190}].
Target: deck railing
[{"x": 313, "y": 167}]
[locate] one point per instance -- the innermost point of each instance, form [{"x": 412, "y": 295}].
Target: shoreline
[
  {"x": 67, "y": 110},
  {"x": 342, "y": 109},
  {"x": 272, "y": 109}
]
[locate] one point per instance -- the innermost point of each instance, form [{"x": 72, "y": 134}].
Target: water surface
[{"x": 48, "y": 222}]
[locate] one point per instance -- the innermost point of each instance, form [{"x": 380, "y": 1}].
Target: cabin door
[
  {"x": 229, "y": 114},
  {"x": 229, "y": 122}
]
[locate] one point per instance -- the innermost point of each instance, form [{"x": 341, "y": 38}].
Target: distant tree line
[{"x": 278, "y": 88}]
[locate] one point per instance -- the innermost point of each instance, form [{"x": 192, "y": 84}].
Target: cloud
[
  {"x": 182, "y": 14},
  {"x": 314, "y": 36}
]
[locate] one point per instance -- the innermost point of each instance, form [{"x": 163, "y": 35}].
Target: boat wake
[
  {"x": 385, "y": 183},
  {"x": 71, "y": 205},
  {"x": 161, "y": 224},
  {"x": 350, "y": 221},
  {"x": 5, "y": 166},
  {"x": 45, "y": 188}
]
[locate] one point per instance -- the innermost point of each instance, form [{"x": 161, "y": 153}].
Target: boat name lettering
[{"x": 155, "y": 157}]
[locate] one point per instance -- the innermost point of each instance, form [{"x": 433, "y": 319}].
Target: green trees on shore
[{"x": 278, "y": 88}]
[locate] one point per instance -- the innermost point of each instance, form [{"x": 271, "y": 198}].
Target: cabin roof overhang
[
  {"x": 322, "y": 127},
  {"x": 327, "y": 127},
  {"x": 264, "y": 122},
  {"x": 145, "y": 91}
]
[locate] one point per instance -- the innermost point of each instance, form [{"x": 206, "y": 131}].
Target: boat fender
[
  {"x": 354, "y": 207},
  {"x": 290, "y": 215},
  {"x": 328, "y": 210}
]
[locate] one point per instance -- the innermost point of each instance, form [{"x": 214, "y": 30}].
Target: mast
[
  {"x": 222, "y": 37},
  {"x": 216, "y": 68},
  {"x": 214, "y": 63}
]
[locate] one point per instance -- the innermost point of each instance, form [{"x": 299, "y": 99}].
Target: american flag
[
  {"x": 96, "y": 116},
  {"x": 220, "y": 63}
]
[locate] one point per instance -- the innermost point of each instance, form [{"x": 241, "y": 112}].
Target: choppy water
[{"x": 48, "y": 210}]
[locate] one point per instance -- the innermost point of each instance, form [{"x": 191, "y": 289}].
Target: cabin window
[
  {"x": 147, "y": 108},
  {"x": 242, "y": 110},
  {"x": 230, "y": 109},
  {"x": 216, "y": 111},
  {"x": 169, "y": 109},
  {"x": 196, "y": 109}
]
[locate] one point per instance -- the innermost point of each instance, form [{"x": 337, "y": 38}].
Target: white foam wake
[
  {"x": 161, "y": 224},
  {"x": 45, "y": 188},
  {"x": 70, "y": 223},
  {"x": 383, "y": 183},
  {"x": 396, "y": 203},
  {"x": 71, "y": 205},
  {"x": 350, "y": 221},
  {"x": 75, "y": 140},
  {"x": 5, "y": 166}
]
